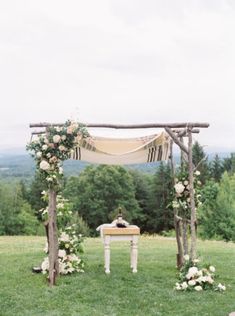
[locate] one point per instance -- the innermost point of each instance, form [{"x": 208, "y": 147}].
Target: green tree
[
  {"x": 216, "y": 168},
  {"x": 200, "y": 159},
  {"x": 142, "y": 183},
  {"x": 218, "y": 212},
  {"x": 160, "y": 213},
  {"x": 98, "y": 192},
  {"x": 16, "y": 215},
  {"x": 229, "y": 164},
  {"x": 207, "y": 210},
  {"x": 35, "y": 194}
]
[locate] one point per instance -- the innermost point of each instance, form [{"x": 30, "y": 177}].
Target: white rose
[
  {"x": 198, "y": 288},
  {"x": 209, "y": 279},
  {"x": 62, "y": 267},
  {"x": 197, "y": 173},
  {"x": 212, "y": 269},
  {"x": 39, "y": 154},
  {"x": 185, "y": 182},
  {"x": 44, "y": 165},
  {"x": 62, "y": 253},
  {"x": 184, "y": 285},
  {"x": 62, "y": 148},
  {"x": 179, "y": 187},
  {"x": 221, "y": 287},
  {"x": 48, "y": 155},
  {"x": 60, "y": 170},
  {"x": 64, "y": 237},
  {"x": 46, "y": 141},
  {"x": 63, "y": 137},
  {"x": 56, "y": 138},
  {"x": 177, "y": 286},
  {"x": 191, "y": 282},
  {"x": 191, "y": 272},
  {"x": 44, "y": 147}
]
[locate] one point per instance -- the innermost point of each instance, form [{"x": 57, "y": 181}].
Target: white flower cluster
[
  {"x": 51, "y": 149},
  {"x": 69, "y": 261},
  {"x": 182, "y": 194},
  {"x": 198, "y": 279},
  {"x": 69, "y": 241}
]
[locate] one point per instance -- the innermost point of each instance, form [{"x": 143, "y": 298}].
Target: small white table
[{"x": 130, "y": 233}]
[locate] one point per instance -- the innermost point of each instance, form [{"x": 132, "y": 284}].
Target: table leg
[
  {"x": 134, "y": 253},
  {"x": 107, "y": 254},
  {"x": 131, "y": 255}
]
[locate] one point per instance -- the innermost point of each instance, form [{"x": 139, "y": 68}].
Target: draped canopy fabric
[{"x": 121, "y": 151}]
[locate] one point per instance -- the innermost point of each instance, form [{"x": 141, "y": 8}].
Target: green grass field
[{"x": 149, "y": 292}]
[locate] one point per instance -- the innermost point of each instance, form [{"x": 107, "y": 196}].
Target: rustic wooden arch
[{"x": 177, "y": 132}]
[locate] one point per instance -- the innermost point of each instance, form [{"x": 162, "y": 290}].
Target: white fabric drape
[{"x": 121, "y": 151}]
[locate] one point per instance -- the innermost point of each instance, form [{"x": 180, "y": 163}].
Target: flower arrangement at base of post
[
  {"x": 194, "y": 277},
  {"x": 70, "y": 243}
]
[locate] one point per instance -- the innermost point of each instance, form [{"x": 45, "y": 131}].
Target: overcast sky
[{"x": 120, "y": 61}]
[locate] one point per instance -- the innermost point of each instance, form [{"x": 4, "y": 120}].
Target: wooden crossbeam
[{"x": 129, "y": 126}]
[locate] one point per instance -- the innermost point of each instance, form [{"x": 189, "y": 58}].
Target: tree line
[{"x": 146, "y": 200}]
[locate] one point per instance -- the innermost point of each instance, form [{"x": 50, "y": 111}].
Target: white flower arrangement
[
  {"x": 195, "y": 278},
  {"x": 70, "y": 244},
  {"x": 182, "y": 193},
  {"x": 51, "y": 149}
]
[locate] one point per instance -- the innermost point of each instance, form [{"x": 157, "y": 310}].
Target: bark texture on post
[
  {"x": 185, "y": 236},
  {"x": 53, "y": 239},
  {"x": 177, "y": 222},
  {"x": 193, "y": 250}
]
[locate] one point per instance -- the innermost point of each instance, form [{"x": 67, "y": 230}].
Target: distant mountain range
[{"x": 19, "y": 164}]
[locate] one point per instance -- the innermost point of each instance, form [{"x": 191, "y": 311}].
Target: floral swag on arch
[{"x": 51, "y": 149}]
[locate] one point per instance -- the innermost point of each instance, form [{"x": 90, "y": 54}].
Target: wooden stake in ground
[
  {"x": 193, "y": 250},
  {"x": 53, "y": 239}
]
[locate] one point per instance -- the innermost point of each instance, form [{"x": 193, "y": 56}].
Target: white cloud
[{"x": 117, "y": 61}]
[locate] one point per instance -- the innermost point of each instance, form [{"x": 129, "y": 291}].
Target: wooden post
[
  {"x": 177, "y": 222},
  {"x": 185, "y": 236},
  {"x": 53, "y": 239},
  {"x": 193, "y": 250}
]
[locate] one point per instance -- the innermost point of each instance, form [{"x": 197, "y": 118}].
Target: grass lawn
[{"x": 149, "y": 292}]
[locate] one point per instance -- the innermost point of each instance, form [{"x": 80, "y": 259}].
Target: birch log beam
[
  {"x": 53, "y": 239},
  {"x": 193, "y": 250},
  {"x": 128, "y": 126}
]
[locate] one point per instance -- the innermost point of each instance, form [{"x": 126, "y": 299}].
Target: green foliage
[
  {"x": 160, "y": 214},
  {"x": 142, "y": 183},
  {"x": 200, "y": 161},
  {"x": 34, "y": 195},
  {"x": 16, "y": 215},
  {"x": 218, "y": 211},
  {"x": 99, "y": 191},
  {"x": 149, "y": 292},
  {"x": 216, "y": 168},
  {"x": 229, "y": 164},
  {"x": 206, "y": 211}
]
